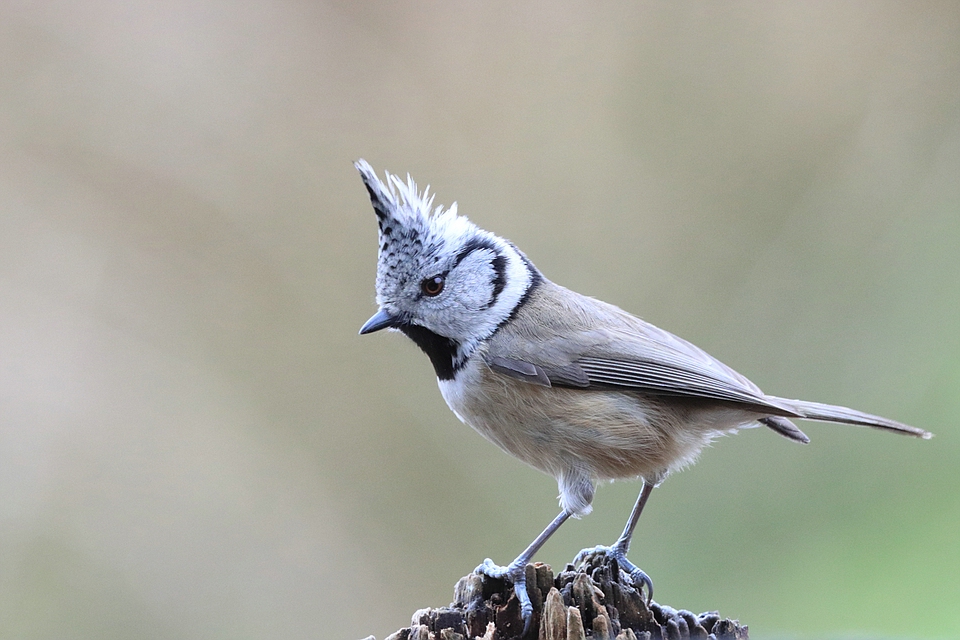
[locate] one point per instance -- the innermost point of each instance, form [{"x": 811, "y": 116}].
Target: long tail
[{"x": 845, "y": 415}]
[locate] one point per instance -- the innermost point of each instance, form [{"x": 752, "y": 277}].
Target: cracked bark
[{"x": 592, "y": 601}]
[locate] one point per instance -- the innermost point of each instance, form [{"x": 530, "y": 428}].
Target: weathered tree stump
[{"x": 594, "y": 600}]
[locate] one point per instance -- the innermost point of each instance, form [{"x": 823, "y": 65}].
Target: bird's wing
[
  {"x": 629, "y": 354},
  {"x": 670, "y": 376}
]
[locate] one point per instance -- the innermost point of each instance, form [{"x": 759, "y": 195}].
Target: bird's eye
[{"x": 432, "y": 286}]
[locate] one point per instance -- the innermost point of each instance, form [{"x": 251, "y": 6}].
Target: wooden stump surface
[{"x": 595, "y": 600}]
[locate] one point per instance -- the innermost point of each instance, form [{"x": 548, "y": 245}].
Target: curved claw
[
  {"x": 517, "y": 574},
  {"x": 637, "y": 576},
  {"x": 641, "y": 580}
]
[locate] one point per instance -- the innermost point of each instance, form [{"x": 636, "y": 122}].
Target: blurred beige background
[{"x": 195, "y": 443}]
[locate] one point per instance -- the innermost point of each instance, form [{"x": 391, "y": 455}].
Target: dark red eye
[{"x": 432, "y": 286}]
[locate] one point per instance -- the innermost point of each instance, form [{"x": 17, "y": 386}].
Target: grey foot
[
  {"x": 517, "y": 574},
  {"x": 637, "y": 576}
]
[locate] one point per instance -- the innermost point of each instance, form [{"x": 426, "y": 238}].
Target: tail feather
[
  {"x": 785, "y": 428},
  {"x": 845, "y": 415}
]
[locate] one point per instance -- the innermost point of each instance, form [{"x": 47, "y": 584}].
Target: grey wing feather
[
  {"x": 672, "y": 378},
  {"x": 572, "y": 375},
  {"x": 519, "y": 369},
  {"x": 623, "y": 352}
]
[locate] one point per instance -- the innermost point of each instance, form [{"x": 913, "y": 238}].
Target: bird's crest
[{"x": 412, "y": 232}]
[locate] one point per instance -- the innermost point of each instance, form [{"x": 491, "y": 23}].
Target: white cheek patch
[
  {"x": 473, "y": 281},
  {"x": 481, "y": 292}
]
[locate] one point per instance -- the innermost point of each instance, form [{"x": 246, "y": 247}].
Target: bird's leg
[
  {"x": 516, "y": 571},
  {"x": 619, "y": 548}
]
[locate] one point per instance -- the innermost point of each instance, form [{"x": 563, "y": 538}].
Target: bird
[{"x": 572, "y": 386}]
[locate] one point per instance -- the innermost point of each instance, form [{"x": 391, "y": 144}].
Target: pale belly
[{"x": 604, "y": 435}]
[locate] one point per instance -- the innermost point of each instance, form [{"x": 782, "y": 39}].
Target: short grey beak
[{"x": 380, "y": 320}]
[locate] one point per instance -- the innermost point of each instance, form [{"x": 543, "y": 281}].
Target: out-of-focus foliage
[{"x": 194, "y": 442}]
